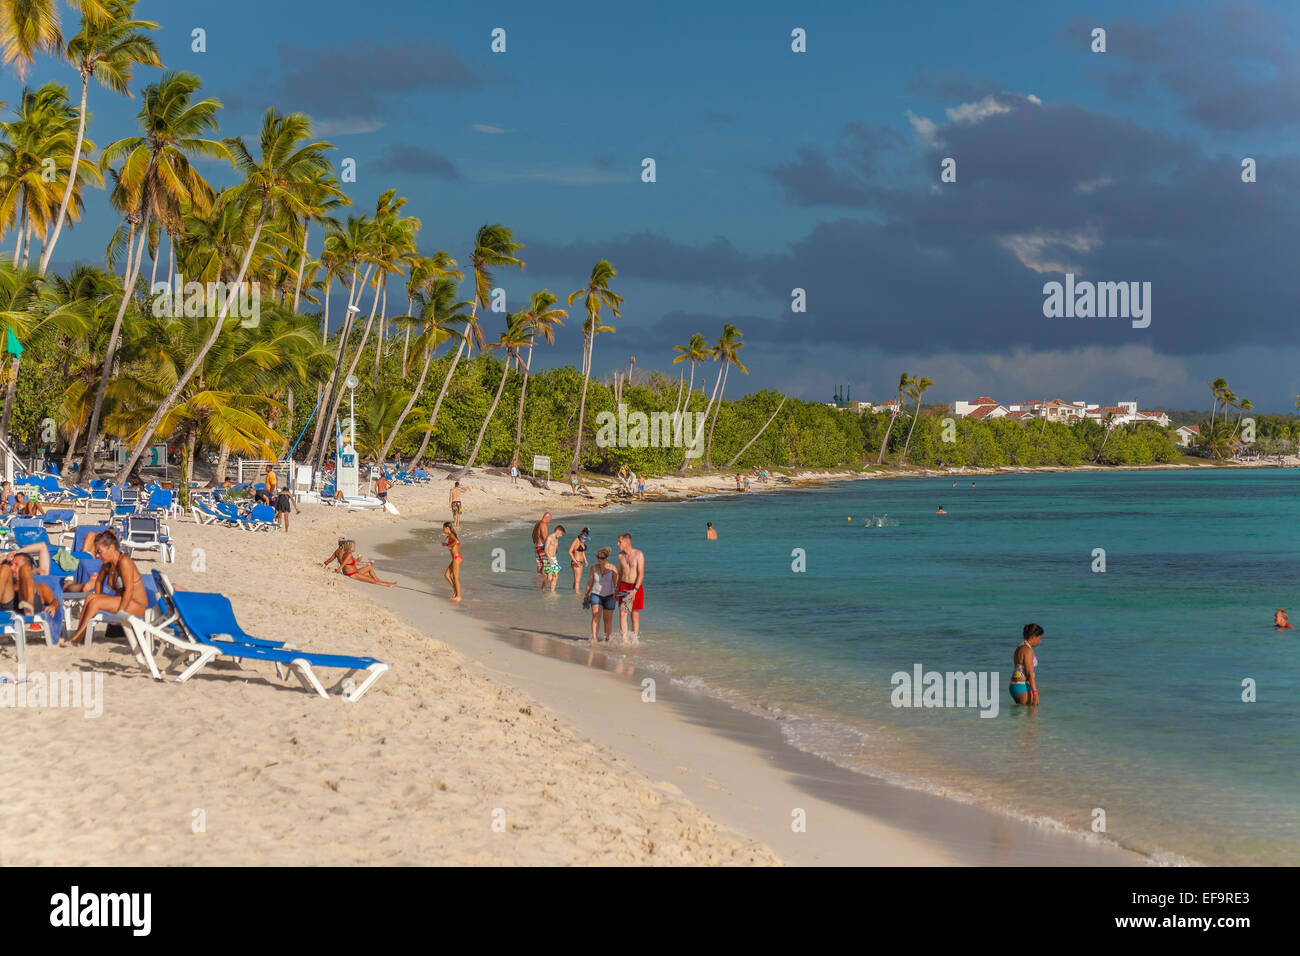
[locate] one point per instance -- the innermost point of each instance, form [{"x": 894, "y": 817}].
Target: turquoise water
[{"x": 1141, "y": 668}]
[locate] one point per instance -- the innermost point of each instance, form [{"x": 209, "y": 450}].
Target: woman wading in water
[{"x": 1024, "y": 664}]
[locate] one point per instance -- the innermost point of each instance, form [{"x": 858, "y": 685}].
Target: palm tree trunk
[
  {"x": 589, "y": 347},
  {"x": 153, "y": 276},
  {"x": 166, "y": 405},
  {"x": 487, "y": 420},
  {"x": 728, "y": 465},
  {"x": 340, "y": 384},
  {"x": 128, "y": 284},
  {"x": 523, "y": 390},
  {"x": 22, "y": 230},
  {"x": 223, "y": 458},
  {"x": 9, "y": 396},
  {"x": 908, "y": 444},
  {"x": 708, "y": 453},
  {"x": 316, "y": 454},
  {"x": 433, "y": 416},
  {"x": 415, "y": 395},
  {"x": 708, "y": 408},
  {"x": 885, "y": 444},
  {"x": 302, "y": 263},
  {"x": 72, "y": 179}
]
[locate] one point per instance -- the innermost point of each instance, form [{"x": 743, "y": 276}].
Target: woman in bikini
[
  {"x": 345, "y": 555},
  {"x": 452, "y": 574},
  {"x": 118, "y": 586},
  {"x": 578, "y": 556},
  {"x": 1024, "y": 664}
]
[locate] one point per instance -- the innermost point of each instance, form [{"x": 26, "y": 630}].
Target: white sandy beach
[{"x": 238, "y": 767}]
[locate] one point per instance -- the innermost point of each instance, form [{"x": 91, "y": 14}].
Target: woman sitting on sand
[
  {"x": 600, "y": 592},
  {"x": 452, "y": 574},
  {"x": 345, "y": 555},
  {"x": 1024, "y": 663},
  {"x": 1280, "y": 622},
  {"x": 118, "y": 575}
]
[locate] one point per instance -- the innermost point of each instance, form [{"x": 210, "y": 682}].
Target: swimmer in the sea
[
  {"x": 1280, "y": 622},
  {"x": 941, "y": 511}
]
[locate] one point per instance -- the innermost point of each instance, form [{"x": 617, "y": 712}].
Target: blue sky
[{"x": 819, "y": 170}]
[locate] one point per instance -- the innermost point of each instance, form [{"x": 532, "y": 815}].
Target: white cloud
[
  {"x": 348, "y": 126},
  {"x": 974, "y": 112},
  {"x": 925, "y": 130},
  {"x": 1045, "y": 251},
  {"x": 488, "y": 128}
]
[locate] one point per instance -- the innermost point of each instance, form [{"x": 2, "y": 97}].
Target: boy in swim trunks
[
  {"x": 631, "y": 587},
  {"x": 550, "y": 562}
]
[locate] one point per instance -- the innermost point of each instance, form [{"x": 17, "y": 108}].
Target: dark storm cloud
[
  {"x": 950, "y": 85},
  {"x": 403, "y": 158},
  {"x": 1228, "y": 64},
  {"x": 354, "y": 79},
  {"x": 1040, "y": 189},
  {"x": 645, "y": 256}
]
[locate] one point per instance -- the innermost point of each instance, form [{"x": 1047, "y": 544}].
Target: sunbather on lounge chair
[
  {"x": 17, "y": 584},
  {"x": 345, "y": 555},
  {"x": 119, "y": 573},
  {"x": 39, "y": 554},
  {"x": 23, "y": 506}
]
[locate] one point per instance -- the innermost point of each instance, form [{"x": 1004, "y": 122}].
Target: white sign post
[{"x": 542, "y": 463}]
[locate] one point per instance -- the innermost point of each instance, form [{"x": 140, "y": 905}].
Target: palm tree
[
  {"x": 729, "y": 345},
  {"x": 494, "y": 248},
  {"x": 541, "y": 318},
  {"x": 1218, "y": 387},
  {"x": 43, "y": 134},
  {"x": 518, "y": 333},
  {"x": 597, "y": 296},
  {"x": 156, "y": 180},
  {"x": 28, "y": 27},
  {"x": 108, "y": 48},
  {"x": 440, "y": 316},
  {"x": 273, "y": 185},
  {"x": 918, "y": 388},
  {"x": 329, "y": 196},
  {"x": 32, "y": 309},
  {"x": 904, "y": 380},
  {"x": 1108, "y": 420},
  {"x": 694, "y": 351}
]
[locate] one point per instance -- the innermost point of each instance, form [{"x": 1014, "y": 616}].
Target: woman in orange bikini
[
  {"x": 452, "y": 574},
  {"x": 345, "y": 555}
]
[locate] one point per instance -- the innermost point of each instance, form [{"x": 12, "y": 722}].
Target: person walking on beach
[
  {"x": 1024, "y": 665},
  {"x": 514, "y": 471},
  {"x": 578, "y": 556},
  {"x": 283, "y": 502},
  {"x": 381, "y": 488},
  {"x": 550, "y": 559},
  {"x": 452, "y": 574},
  {"x": 640, "y": 488},
  {"x": 600, "y": 593},
  {"x": 540, "y": 532},
  {"x": 631, "y": 587},
  {"x": 710, "y": 532},
  {"x": 454, "y": 497}
]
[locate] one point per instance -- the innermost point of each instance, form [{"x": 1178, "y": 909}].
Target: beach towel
[{"x": 65, "y": 559}]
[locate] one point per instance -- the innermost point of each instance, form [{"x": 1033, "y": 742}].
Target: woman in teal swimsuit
[{"x": 1024, "y": 662}]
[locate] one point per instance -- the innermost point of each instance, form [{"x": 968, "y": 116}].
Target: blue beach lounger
[{"x": 197, "y": 637}]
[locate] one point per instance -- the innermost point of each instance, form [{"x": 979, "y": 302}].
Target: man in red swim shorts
[{"x": 631, "y": 587}]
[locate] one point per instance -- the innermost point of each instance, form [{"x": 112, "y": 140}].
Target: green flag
[{"x": 14, "y": 348}]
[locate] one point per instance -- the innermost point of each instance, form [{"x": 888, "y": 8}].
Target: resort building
[
  {"x": 1187, "y": 434},
  {"x": 1058, "y": 410}
]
